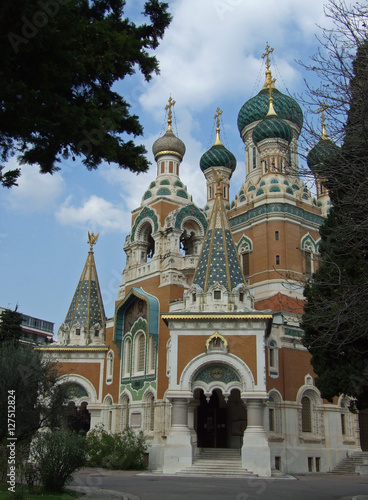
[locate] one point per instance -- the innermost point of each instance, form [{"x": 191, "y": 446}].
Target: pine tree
[
  {"x": 10, "y": 326},
  {"x": 336, "y": 313},
  {"x": 59, "y": 63}
]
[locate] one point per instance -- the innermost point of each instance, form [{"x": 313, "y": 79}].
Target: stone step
[
  {"x": 349, "y": 464},
  {"x": 219, "y": 462}
]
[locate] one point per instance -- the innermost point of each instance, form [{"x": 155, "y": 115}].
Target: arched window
[
  {"x": 148, "y": 243},
  {"x": 273, "y": 361},
  {"x": 151, "y": 355},
  {"x": 127, "y": 357},
  {"x": 109, "y": 367},
  {"x": 306, "y": 414},
  {"x": 139, "y": 354},
  {"x": 108, "y": 413},
  {"x": 274, "y": 413},
  {"x": 149, "y": 418},
  {"x": 124, "y": 413}
]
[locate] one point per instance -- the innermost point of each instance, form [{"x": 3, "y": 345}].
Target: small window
[
  {"x": 306, "y": 414},
  {"x": 97, "y": 332},
  {"x": 254, "y": 158},
  {"x": 245, "y": 263},
  {"x": 241, "y": 297},
  {"x": 276, "y": 235},
  {"x": 217, "y": 294},
  {"x": 77, "y": 331},
  {"x": 277, "y": 260},
  {"x": 194, "y": 297},
  {"x": 308, "y": 263},
  {"x": 271, "y": 419},
  {"x": 343, "y": 424}
]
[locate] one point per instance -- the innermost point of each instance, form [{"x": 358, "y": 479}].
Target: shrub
[
  {"x": 116, "y": 451},
  {"x": 57, "y": 455}
]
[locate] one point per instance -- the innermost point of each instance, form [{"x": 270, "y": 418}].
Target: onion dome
[
  {"x": 324, "y": 149},
  {"x": 169, "y": 143},
  {"x": 218, "y": 155},
  {"x": 272, "y": 127},
  {"x": 256, "y": 109}
]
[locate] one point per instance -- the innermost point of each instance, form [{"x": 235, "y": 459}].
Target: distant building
[{"x": 35, "y": 331}]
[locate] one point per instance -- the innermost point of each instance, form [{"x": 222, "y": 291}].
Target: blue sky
[{"x": 210, "y": 57}]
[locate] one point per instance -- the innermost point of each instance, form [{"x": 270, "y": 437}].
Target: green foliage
[
  {"x": 57, "y": 455},
  {"x": 336, "y": 312},
  {"x": 116, "y": 451},
  {"x": 60, "y": 61},
  {"x": 32, "y": 381},
  {"x": 10, "y": 326}
]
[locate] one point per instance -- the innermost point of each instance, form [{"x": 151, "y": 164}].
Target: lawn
[{"x": 6, "y": 495}]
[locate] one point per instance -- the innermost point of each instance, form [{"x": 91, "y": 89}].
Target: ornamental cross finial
[
  {"x": 267, "y": 55},
  {"x": 322, "y": 110},
  {"x": 92, "y": 238},
  {"x": 169, "y": 116},
  {"x": 217, "y": 117}
]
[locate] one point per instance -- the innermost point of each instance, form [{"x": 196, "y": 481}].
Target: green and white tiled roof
[{"x": 218, "y": 261}]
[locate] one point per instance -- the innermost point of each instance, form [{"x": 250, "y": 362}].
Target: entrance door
[{"x": 212, "y": 422}]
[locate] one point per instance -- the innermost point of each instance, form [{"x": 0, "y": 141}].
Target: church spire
[
  {"x": 85, "y": 320},
  {"x": 218, "y": 261}
]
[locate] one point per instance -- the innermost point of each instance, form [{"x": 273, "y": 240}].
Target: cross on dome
[
  {"x": 267, "y": 55},
  {"x": 169, "y": 116},
  {"x": 217, "y": 118},
  {"x": 322, "y": 110}
]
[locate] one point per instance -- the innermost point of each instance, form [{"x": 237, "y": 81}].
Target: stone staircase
[
  {"x": 357, "y": 463},
  {"x": 219, "y": 462}
]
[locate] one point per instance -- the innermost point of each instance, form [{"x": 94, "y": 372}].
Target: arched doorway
[
  {"x": 220, "y": 421},
  {"x": 77, "y": 419}
]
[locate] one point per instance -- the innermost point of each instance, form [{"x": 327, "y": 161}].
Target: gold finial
[
  {"x": 169, "y": 116},
  {"x": 268, "y": 82},
  {"x": 271, "y": 109},
  {"x": 267, "y": 55},
  {"x": 322, "y": 110},
  {"x": 92, "y": 239},
  {"x": 217, "y": 118}
]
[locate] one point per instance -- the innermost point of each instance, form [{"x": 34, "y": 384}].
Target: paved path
[{"x": 101, "y": 484}]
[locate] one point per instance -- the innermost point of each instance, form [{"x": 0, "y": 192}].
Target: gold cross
[
  {"x": 267, "y": 55},
  {"x": 168, "y": 107},
  {"x": 322, "y": 110},
  {"x": 217, "y": 117}
]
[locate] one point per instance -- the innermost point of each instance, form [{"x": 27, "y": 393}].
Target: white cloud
[
  {"x": 213, "y": 49},
  {"x": 95, "y": 214},
  {"x": 35, "y": 192}
]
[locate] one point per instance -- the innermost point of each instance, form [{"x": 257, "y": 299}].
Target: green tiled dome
[
  {"x": 257, "y": 107},
  {"x": 217, "y": 156},
  {"x": 272, "y": 127},
  {"x": 322, "y": 150}
]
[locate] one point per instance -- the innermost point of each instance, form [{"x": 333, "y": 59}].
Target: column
[
  {"x": 178, "y": 448},
  {"x": 256, "y": 454}
]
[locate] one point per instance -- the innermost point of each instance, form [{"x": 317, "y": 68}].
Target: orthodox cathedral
[{"x": 204, "y": 351}]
